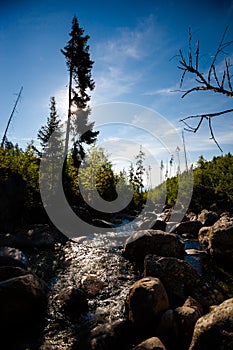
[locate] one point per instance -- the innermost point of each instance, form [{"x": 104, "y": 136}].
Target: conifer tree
[
  {"x": 79, "y": 66},
  {"x": 50, "y": 136},
  {"x": 140, "y": 157},
  {"x": 51, "y": 128}
]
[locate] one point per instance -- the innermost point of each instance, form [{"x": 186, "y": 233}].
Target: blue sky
[{"x": 134, "y": 45}]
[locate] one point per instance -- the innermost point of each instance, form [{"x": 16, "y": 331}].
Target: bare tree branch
[
  {"x": 201, "y": 117},
  {"x": 228, "y": 76},
  {"x": 212, "y": 133},
  {"x": 219, "y": 82},
  {"x": 219, "y": 49},
  {"x": 197, "y": 54}
]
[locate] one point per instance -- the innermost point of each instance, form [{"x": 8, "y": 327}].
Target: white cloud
[
  {"x": 164, "y": 91},
  {"x": 120, "y": 62}
]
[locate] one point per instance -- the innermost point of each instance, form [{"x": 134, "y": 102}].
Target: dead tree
[
  {"x": 212, "y": 80},
  {"x": 11, "y": 116}
]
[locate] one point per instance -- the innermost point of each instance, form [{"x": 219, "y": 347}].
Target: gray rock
[
  {"x": 215, "y": 329},
  {"x": 218, "y": 239},
  {"x": 144, "y": 242},
  {"x": 180, "y": 280},
  {"x": 146, "y": 301}
]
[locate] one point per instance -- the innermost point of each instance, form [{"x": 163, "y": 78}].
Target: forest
[{"x": 19, "y": 171}]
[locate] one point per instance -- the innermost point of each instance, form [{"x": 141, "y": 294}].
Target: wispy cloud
[
  {"x": 164, "y": 91},
  {"x": 118, "y": 61},
  {"x": 128, "y": 43}
]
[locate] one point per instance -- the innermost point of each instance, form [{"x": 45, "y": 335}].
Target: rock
[
  {"x": 190, "y": 217},
  {"x": 151, "y": 221},
  {"x": 23, "y": 303},
  {"x": 208, "y": 218},
  {"x": 167, "y": 326},
  {"x": 180, "y": 280},
  {"x": 73, "y": 302},
  {"x": 190, "y": 302},
  {"x": 92, "y": 285},
  {"x": 159, "y": 225},
  {"x": 13, "y": 257},
  {"x": 38, "y": 237},
  {"x": 7, "y": 272},
  {"x": 188, "y": 227},
  {"x": 215, "y": 329},
  {"x": 153, "y": 343},
  {"x": 144, "y": 242},
  {"x": 146, "y": 301},
  {"x": 116, "y": 335},
  {"x": 204, "y": 237},
  {"x": 218, "y": 239},
  {"x": 186, "y": 317}
]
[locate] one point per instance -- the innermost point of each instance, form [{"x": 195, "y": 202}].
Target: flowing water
[
  {"x": 96, "y": 265},
  {"x": 97, "y": 262}
]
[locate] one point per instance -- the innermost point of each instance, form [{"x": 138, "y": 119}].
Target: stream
[{"x": 97, "y": 266}]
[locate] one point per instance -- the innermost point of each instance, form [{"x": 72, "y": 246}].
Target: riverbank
[{"x": 97, "y": 279}]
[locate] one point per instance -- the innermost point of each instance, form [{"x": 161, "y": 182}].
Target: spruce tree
[
  {"x": 79, "y": 66},
  {"x": 140, "y": 157},
  {"x": 50, "y": 136},
  {"x": 51, "y": 128}
]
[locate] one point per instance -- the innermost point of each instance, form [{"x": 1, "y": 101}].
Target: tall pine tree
[{"x": 79, "y": 66}]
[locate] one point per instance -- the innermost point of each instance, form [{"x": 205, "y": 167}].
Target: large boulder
[
  {"x": 144, "y": 242},
  {"x": 13, "y": 257},
  {"x": 23, "y": 302},
  {"x": 152, "y": 343},
  {"x": 215, "y": 329},
  {"x": 115, "y": 335},
  {"x": 186, "y": 317},
  {"x": 188, "y": 228},
  {"x": 146, "y": 301},
  {"x": 218, "y": 239},
  {"x": 180, "y": 280}
]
